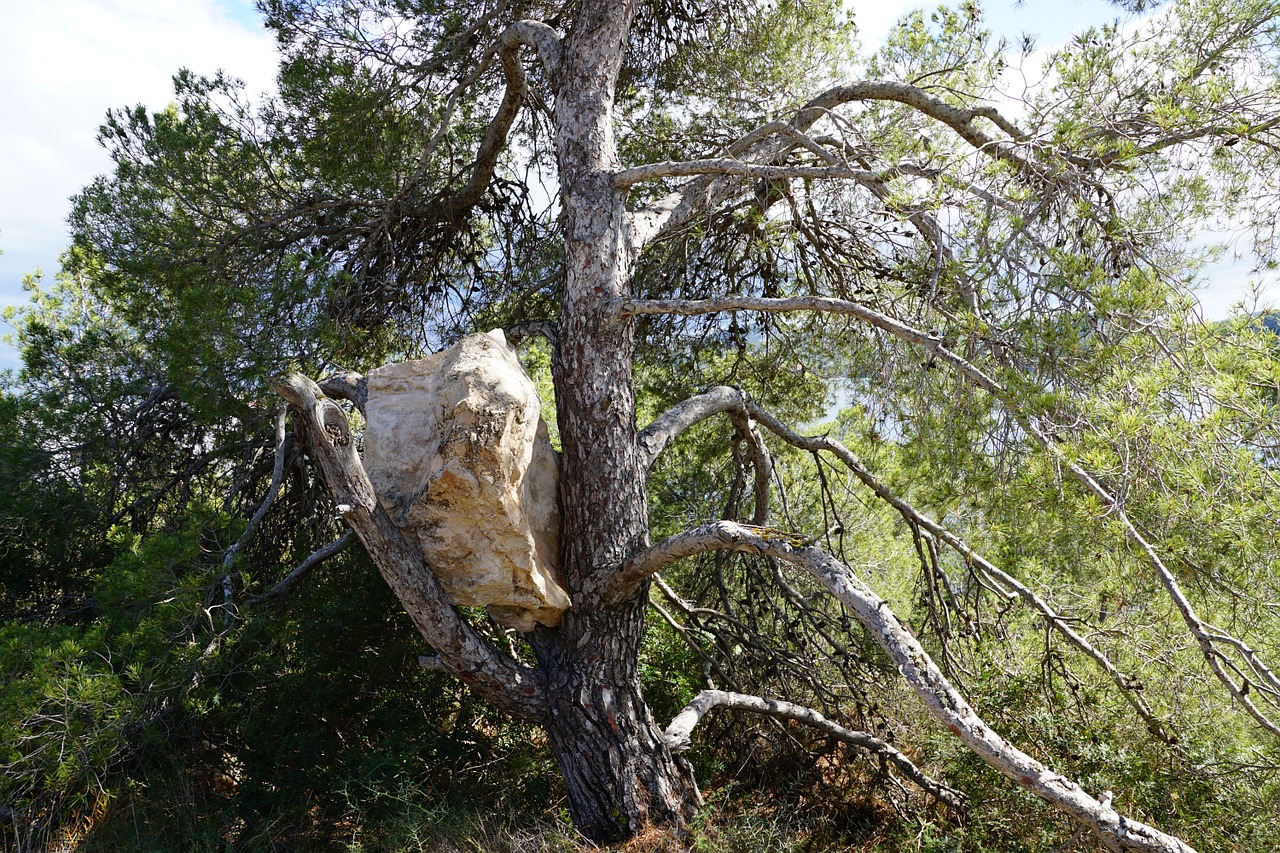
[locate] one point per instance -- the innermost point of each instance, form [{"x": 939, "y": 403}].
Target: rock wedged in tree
[{"x": 458, "y": 454}]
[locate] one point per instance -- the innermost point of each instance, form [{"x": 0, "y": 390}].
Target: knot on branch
[
  {"x": 678, "y": 742},
  {"x": 336, "y": 427}
]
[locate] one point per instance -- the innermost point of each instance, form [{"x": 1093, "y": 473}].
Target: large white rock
[{"x": 457, "y": 451}]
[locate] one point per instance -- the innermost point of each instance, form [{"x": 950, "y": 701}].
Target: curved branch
[
  {"x": 547, "y": 43},
  {"x": 717, "y": 536},
  {"x": 657, "y": 436},
  {"x": 315, "y": 558},
  {"x": 1128, "y": 685},
  {"x": 544, "y": 40},
  {"x": 677, "y": 734},
  {"x": 347, "y": 385},
  {"x": 772, "y": 143},
  {"x": 653, "y": 439},
  {"x": 942, "y": 700},
  {"x": 1205, "y": 635},
  {"x": 273, "y": 490},
  {"x": 463, "y": 652}
]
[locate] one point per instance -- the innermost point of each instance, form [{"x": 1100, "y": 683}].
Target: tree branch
[
  {"x": 772, "y": 143},
  {"x": 737, "y": 168},
  {"x": 657, "y": 436},
  {"x": 347, "y": 385},
  {"x": 547, "y": 43},
  {"x": 941, "y": 699},
  {"x": 761, "y": 461},
  {"x": 677, "y": 734},
  {"x": 289, "y": 581},
  {"x": 972, "y": 558},
  {"x": 1205, "y": 635},
  {"x": 544, "y": 40},
  {"x": 273, "y": 489},
  {"x": 532, "y": 33},
  {"x": 464, "y": 652},
  {"x": 653, "y": 439}
]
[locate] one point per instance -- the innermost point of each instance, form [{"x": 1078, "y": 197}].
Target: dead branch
[
  {"x": 943, "y": 701},
  {"x": 291, "y": 580},
  {"x": 347, "y": 385},
  {"x": 678, "y": 734},
  {"x": 463, "y": 651}
]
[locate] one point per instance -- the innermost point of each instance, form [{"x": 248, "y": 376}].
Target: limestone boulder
[{"x": 457, "y": 452}]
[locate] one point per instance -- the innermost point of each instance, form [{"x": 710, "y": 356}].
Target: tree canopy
[{"x": 878, "y": 379}]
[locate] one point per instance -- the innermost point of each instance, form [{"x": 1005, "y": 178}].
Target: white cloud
[{"x": 64, "y": 63}]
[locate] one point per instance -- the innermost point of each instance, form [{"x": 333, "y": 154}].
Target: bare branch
[
  {"x": 1128, "y": 685},
  {"x": 273, "y": 489},
  {"x": 737, "y": 168},
  {"x": 1204, "y": 634},
  {"x": 547, "y": 42},
  {"x": 347, "y": 385},
  {"x": 943, "y": 701},
  {"x": 716, "y": 536},
  {"x": 539, "y": 36},
  {"x": 709, "y": 662},
  {"x": 677, "y": 734},
  {"x": 464, "y": 652},
  {"x": 771, "y": 144},
  {"x": 655, "y": 438},
  {"x": 289, "y": 581}
]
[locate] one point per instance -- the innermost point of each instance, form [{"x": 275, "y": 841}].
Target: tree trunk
[{"x": 618, "y": 773}]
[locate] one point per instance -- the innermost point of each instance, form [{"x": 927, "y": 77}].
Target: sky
[{"x": 65, "y": 63}]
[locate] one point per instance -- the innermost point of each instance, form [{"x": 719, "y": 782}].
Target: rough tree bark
[{"x": 618, "y": 771}]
